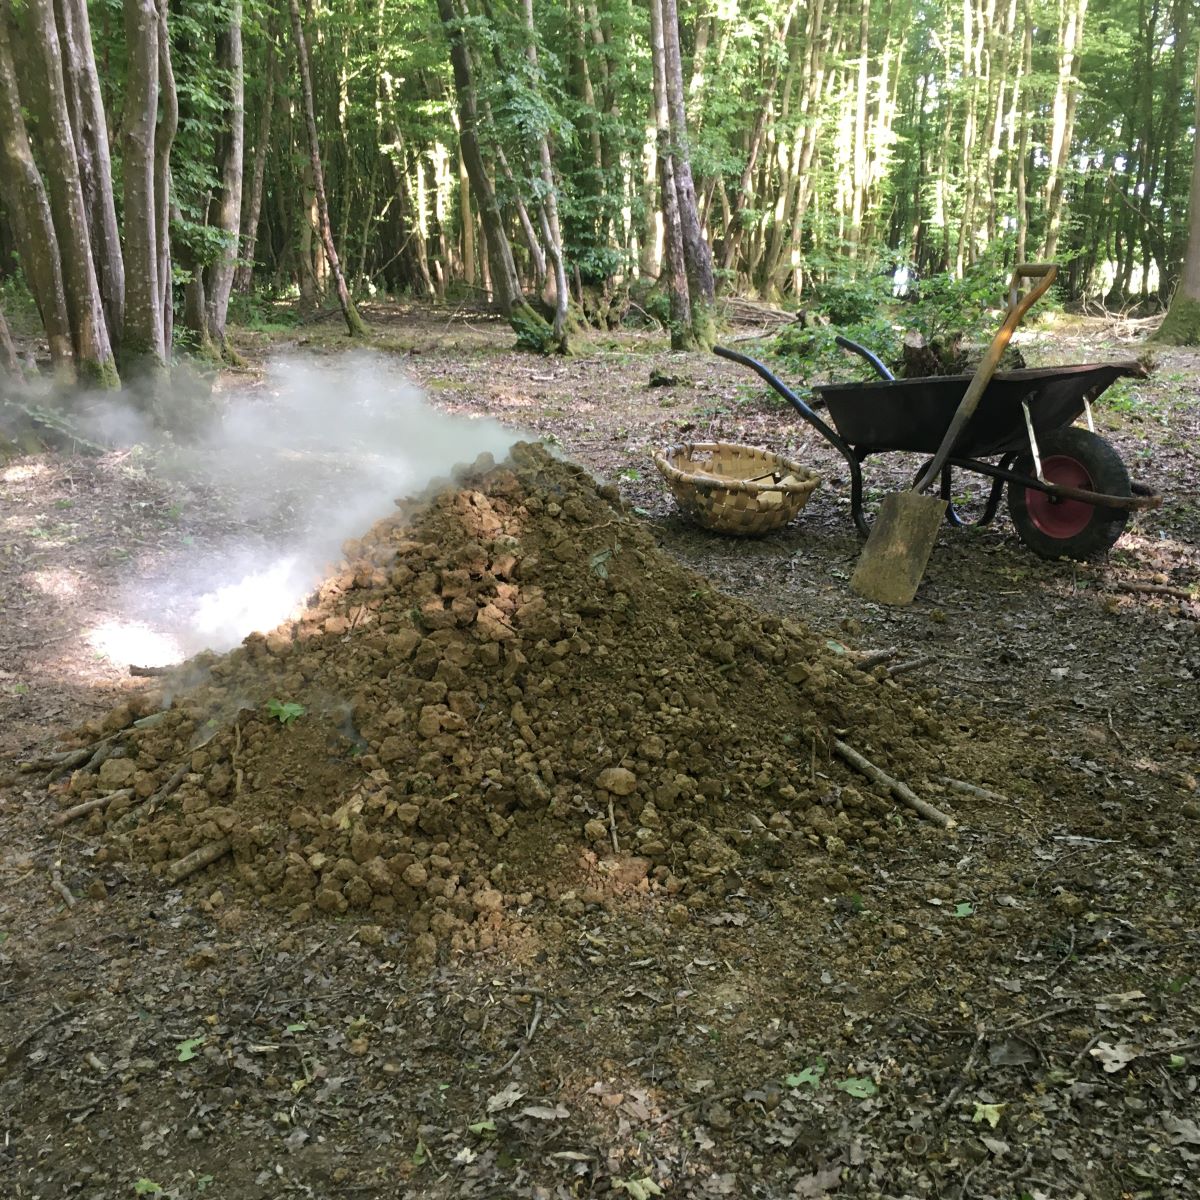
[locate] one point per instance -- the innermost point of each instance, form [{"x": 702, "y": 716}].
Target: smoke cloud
[{"x": 289, "y": 471}]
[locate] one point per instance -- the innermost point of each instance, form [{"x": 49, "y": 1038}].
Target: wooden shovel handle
[{"x": 1018, "y": 306}]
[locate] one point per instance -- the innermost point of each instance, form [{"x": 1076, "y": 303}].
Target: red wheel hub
[{"x": 1060, "y": 518}]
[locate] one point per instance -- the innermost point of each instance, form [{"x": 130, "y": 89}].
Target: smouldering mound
[{"x": 505, "y": 674}]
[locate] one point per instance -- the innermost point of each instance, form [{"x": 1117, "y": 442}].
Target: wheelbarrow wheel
[{"x": 1057, "y": 528}]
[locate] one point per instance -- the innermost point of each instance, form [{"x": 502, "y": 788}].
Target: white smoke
[{"x": 292, "y": 468}]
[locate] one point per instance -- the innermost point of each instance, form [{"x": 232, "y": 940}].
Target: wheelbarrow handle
[{"x": 1018, "y": 306}]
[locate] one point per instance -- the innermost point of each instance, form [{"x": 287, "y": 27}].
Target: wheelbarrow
[{"x": 1069, "y": 492}]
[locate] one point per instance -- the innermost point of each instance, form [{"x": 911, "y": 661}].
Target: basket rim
[{"x": 806, "y": 478}]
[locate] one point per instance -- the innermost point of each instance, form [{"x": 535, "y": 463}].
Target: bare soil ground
[{"x": 1009, "y": 1010}]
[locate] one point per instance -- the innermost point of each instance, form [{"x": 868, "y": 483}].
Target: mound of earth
[{"x": 506, "y": 692}]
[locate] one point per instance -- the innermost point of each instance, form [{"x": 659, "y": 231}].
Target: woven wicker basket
[{"x": 735, "y": 489}]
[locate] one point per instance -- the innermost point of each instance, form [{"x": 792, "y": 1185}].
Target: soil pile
[{"x": 507, "y": 687}]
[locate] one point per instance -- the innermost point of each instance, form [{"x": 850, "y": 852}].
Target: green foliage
[{"x": 285, "y": 712}]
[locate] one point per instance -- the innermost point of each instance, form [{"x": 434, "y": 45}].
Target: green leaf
[
  {"x": 637, "y": 1189},
  {"x": 990, "y": 1113},
  {"x": 481, "y": 1127},
  {"x": 419, "y": 1155},
  {"x": 187, "y": 1049},
  {"x": 147, "y": 1187},
  {"x": 963, "y": 909},
  {"x": 597, "y": 561},
  {"x": 285, "y": 712},
  {"x": 858, "y": 1086},
  {"x": 810, "y": 1076},
  {"x": 299, "y": 1027},
  {"x": 1177, "y": 1062}
]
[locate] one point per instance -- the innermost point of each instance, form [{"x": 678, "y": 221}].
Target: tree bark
[
  {"x": 95, "y": 165},
  {"x": 507, "y": 293},
  {"x": 24, "y": 196},
  {"x": 89, "y": 332},
  {"x": 1181, "y": 326},
  {"x": 674, "y": 263},
  {"x": 548, "y": 205},
  {"x": 354, "y": 323},
  {"x": 164, "y": 139},
  {"x": 697, "y": 255},
  {"x": 10, "y": 364},
  {"x": 243, "y": 279},
  {"x": 225, "y": 208},
  {"x": 144, "y": 347}
]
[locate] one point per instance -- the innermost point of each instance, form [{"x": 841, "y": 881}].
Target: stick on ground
[
  {"x": 901, "y": 791},
  {"x": 198, "y": 860},
  {"x": 81, "y": 810}
]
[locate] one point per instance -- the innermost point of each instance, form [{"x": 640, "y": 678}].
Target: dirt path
[{"x": 1010, "y": 1010}]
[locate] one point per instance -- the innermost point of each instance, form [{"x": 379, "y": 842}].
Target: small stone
[
  {"x": 415, "y": 875},
  {"x": 1069, "y": 903},
  {"x": 678, "y": 914},
  {"x": 370, "y": 935},
  {"x": 118, "y": 772},
  {"x": 719, "y": 1117},
  {"x": 96, "y": 890},
  {"x": 595, "y": 830},
  {"x": 618, "y": 780},
  {"x": 487, "y": 900},
  {"x": 423, "y": 950}
]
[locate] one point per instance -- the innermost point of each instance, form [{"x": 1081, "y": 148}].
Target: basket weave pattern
[{"x": 735, "y": 489}]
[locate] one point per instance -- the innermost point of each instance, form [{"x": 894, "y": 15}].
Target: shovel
[{"x": 902, "y": 537}]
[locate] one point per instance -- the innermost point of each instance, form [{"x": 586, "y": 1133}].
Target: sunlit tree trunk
[
  {"x": 144, "y": 346},
  {"x": 252, "y": 207},
  {"x": 697, "y": 255},
  {"x": 225, "y": 209},
  {"x": 1065, "y": 95},
  {"x": 89, "y": 330},
  {"x": 164, "y": 139},
  {"x": 354, "y": 323},
  {"x": 91, "y": 150},
  {"x": 674, "y": 263},
  {"x": 1181, "y": 326},
  {"x": 28, "y": 208},
  {"x": 10, "y": 364}
]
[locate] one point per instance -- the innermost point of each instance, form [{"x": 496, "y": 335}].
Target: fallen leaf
[
  {"x": 542, "y": 1112},
  {"x": 859, "y": 1086},
  {"x": 505, "y": 1098},
  {"x": 1182, "y": 1130},
  {"x": 819, "y": 1183},
  {"x": 990, "y": 1113},
  {"x": 1113, "y": 1058}
]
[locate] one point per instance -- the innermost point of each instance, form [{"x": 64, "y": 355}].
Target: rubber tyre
[{"x": 1070, "y": 528}]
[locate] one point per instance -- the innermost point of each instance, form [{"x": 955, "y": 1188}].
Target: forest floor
[{"x": 1007, "y": 1010}]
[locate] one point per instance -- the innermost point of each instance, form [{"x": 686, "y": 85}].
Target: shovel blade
[{"x": 902, "y": 538}]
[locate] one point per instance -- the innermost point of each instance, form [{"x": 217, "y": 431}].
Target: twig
[
  {"x": 198, "y": 860},
  {"x": 911, "y": 665},
  {"x": 134, "y": 815},
  {"x": 970, "y": 789},
  {"x": 900, "y": 790},
  {"x": 686, "y": 1108},
  {"x": 1116, "y": 736},
  {"x": 533, "y": 1026},
  {"x": 612, "y": 827},
  {"x": 81, "y": 810},
  {"x": 61, "y": 888},
  {"x": 876, "y": 658},
  {"x": 1155, "y": 589},
  {"x": 1045, "y": 1016},
  {"x": 12, "y": 1054},
  {"x": 981, "y": 1035}
]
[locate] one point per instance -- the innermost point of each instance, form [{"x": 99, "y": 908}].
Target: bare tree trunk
[
  {"x": 243, "y": 278},
  {"x": 1065, "y": 96},
  {"x": 95, "y": 166},
  {"x": 93, "y": 347},
  {"x": 164, "y": 139},
  {"x": 548, "y": 206},
  {"x": 144, "y": 347},
  {"x": 508, "y": 295},
  {"x": 674, "y": 262},
  {"x": 697, "y": 255},
  {"x": 28, "y": 208},
  {"x": 1181, "y": 326},
  {"x": 354, "y": 323},
  {"x": 10, "y": 364},
  {"x": 225, "y": 208}
]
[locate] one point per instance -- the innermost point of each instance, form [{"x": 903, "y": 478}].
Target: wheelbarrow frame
[{"x": 1008, "y": 438}]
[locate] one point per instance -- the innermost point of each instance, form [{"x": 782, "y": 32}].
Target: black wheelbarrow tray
[{"x": 1069, "y": 493}]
